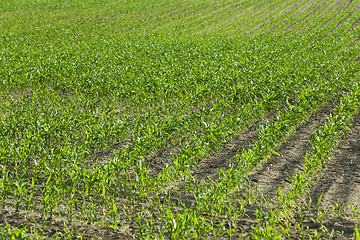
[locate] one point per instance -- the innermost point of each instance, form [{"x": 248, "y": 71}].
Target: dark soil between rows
[
  {"x": 276, "y": 171},
  {"x": 340, "y": 179}
]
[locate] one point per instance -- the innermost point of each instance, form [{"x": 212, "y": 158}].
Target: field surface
[{"x": 179, "y": 119}]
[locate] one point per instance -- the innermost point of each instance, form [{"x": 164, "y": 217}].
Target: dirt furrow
[
  {"x": 264, "y": 14},
  {"x": 355, "y": 24},
  {"x": 340, "y": 180},
  {"x": 211, "y": 165},
  {"x": 161, "y": 158},
  {"x": 253, "y": 13},
  {"x": 275, "y": 172},
  {"x": 306, "y": 16},
  {"x": 228, "y": 19},
  {"x": 260, "y": 17},
  {"x": 106, "y": 154},
  {"x": 354, "y": 43},
  {"x": 175, "y": 11},
  {"x": 231, "y": 18},
  {"x": 218, "y": 10},
  {"x": 184, "y": 19},
  {"x": 342, "y": 21},
  {"x": 236, "y": 15},
  {"x": 345, "y": 6},
  {"x": 197, "y": 14},
  {"x": 301, "y": 10},
  {"x": 347, "y": 17},
  {"x": 330, "y": 8},
  {"x": 284, "y": 11},
  {"x": 221, "y": 159}
]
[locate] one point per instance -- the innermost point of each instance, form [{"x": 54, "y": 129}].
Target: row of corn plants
[{"x": 68, "y": 91}]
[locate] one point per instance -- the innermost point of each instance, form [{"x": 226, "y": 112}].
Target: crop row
[{"x": 104, "y": 128}]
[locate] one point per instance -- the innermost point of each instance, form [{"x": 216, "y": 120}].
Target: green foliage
[{"x": 93, "y": 91}]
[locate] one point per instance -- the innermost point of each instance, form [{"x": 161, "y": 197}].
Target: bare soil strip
[
  {"x": 162, "y": 157},
  {"x": 354, "y": 43},
  {"x": 164, "y": 19},
  {"x": 248, "y": 16},
  {"x": 168, "y": 12},
  {"x": 305, "y": 7},
  {"x": 274, "y": 172},
  {"x": 176, "y": 11},
  {"x": 184, "y": 19},
  {"x": 306, "y": 16},
  {"x": 355, "y": 24},
  {"x": 345, "y": 6},
  {"x": 236, "y": 15},
  {"x": 346, "y": 18},
  {"x": 105, "y": 155},
  {"x": 301, "y": 10},
  {"x": 221, "y": 22},
  {"x": 210, "y": 166},
  {"x": 264, "y": 14},
  {"x": 197, "y": 14},
  {"x": 340, "y": 180},
  {"x": 284, "y": 11},
  {"x": 218, "y": 10},
  {"x": 50, "y": 227},
  {"x": 330, "y": 8},
  {"x": 56, "y": 225},
  {"x": 221, "y": 159},
  {"x": 343, "y": 20}
]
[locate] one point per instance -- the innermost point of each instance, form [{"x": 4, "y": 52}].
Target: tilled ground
[
  {"x": 337, "y": 185},
  {"x": 340, "y": 179}
]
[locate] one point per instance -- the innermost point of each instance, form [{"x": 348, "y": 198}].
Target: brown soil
[
  {"x": 284, "y": 11},
  {"x": 275, "y": 172},
  {"x": 253, "y": 13},
  {"x": 265, "y": 14},
  {"x": 104, "y": 156},
  {"x": 56, "y": 226},
  {"x": 349, "y": 15},
  {"x": 175, "y": 11},
  {"x": 354, "y": 43},
  {"x": 337, "y": 190},
  {"x": 217, "y": 11},
  {"x": 221, "y": 22},
  {"x": 342, "y": 21},
  {"x": 237, "y": 15},
  {"x": 355, "y": 24},
  {"x": 330, "y": 8},
  {"x": 221, "y": 159},
  {"x": 184, "y": 19},
  {"x": 162, "y": 157},
  {"x": 5, "y": 14},
  {"x": 220, "y": 9},
  {"x": 301, "y": 10},
  {"x": 305, "y": 7},
  {"x": 306, "y": 16},
  {"x": 345, "y": 6},
  {"x": 340, "y": 180}
]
